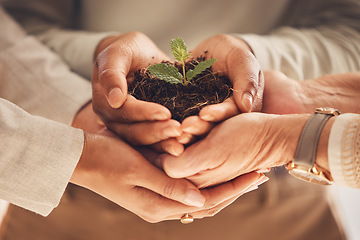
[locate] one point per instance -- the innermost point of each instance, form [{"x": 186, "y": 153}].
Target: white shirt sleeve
[{"x": 344, "y": 150}]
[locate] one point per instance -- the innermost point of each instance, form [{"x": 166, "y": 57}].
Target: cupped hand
[
  {"x": 138, "y": 122},
  {"x": 111, "y": 168},
  {"x": 242, "y": 144},
  {"x": 236, "y": 61}
]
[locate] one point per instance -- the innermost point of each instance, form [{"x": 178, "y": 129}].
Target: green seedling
[{"x": 170, "y": 73}]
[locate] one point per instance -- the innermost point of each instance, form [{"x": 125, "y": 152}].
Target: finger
[
  {"x": 196, "y": 158},
  {"x": 171, "y": 146},
  {"x": 258, "y": 101},
  {"x": 134, "y": 110},
  {"x": 245, "y": 90},
  {"x": 206, "y": 213},
  {"x": 196, "y": 126},
  {"x": 244, "y": 75},
  {"x": 265, "y": 170},
  {"x": 185, "y": 138},
  {"x": 113, "y": 65},
  {"x": 222, "y": 195},
  {"x": 180, "y": 190},
  {"x": 156, "y": 207},
  {"x": 146, "y": 133},
  {"x": 219, "y": 112}
]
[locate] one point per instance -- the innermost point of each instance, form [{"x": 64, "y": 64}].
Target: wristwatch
[{"x": 304, "y": 166}]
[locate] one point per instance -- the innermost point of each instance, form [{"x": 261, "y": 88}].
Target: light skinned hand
[
  {"x": 138, "y": 122},
  {"x": 283, "y": 95},
  {"x": 111, "y": 168},
  {"x": 242, "y": 144},
  {"x": 236, "y": 61}
]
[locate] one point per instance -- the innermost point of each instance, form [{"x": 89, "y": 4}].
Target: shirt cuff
[
  {"x": 343, "y": 150},
  {"x": 38, "y": 158}
]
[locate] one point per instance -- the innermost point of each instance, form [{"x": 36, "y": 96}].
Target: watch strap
[{"x": 309, "y": 139}]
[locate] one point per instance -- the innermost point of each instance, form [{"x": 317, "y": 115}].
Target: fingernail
[
  {"x": 262, "y": 180},
  {"x": 247, "y": 100},
  {"x": 99, "y": 121},
  {"x": 190, "y": 129},
  {"x": 184, "y": 138},
  {"x": 160, "y": 116},
  {"x": 174, "y": 151},
  {"x": 172, "y": 132},
  {"x": 194, "y": 198},
  {"x": 251, "y": 188},
  {"x": 208, "y": 118},
  {"x": 114, "y": 97}
]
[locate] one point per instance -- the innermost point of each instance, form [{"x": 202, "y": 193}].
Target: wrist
[
  {"x": 322, "y": 151},
  {"x": 339, "y": 91},
  {"x": 84, "y": 167},
  {"x": 311, "y": 97},
  {"x": 292, "y": 127},
  {"x": 285, "y": 131},
  {"x": 310, "y": 162}
]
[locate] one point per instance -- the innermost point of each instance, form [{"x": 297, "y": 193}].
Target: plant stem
[{"x": 184, "y": 79}]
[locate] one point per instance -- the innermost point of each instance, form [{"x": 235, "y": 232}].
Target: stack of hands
[{"x": 135, "y": 154}]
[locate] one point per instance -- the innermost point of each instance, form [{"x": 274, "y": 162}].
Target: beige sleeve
[
  {"x": 344, "y": 150},
  {"x": 38, "y": 157},
  {"x": 35, "y": 78},
  {"x": 51, "y": 22},
  {"x": 314, "y": 38}
]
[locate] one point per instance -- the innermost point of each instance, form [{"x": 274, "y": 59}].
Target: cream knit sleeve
[
  {"x": 315, "y": 38},
  {"x": 344, "y": 150}
]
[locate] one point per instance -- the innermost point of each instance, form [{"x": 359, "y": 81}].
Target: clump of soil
[{"x": 182, "y": 101}]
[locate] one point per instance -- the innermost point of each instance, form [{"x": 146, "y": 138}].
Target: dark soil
[{"x": 182, "y": 101}]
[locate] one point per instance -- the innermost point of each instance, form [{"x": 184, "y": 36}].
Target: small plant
[{"x": 170, "y": 73}]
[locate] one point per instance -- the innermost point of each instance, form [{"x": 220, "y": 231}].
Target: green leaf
[
  {"x": 199, "y": 68},
  {"x": 179, "y": 49},
  {"x": 166, "y": 73}
]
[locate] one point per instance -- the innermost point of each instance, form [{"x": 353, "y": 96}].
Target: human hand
[
  {"x": 242, "y": 144},
  {"x": 138, "y": 122},
  {"x": 236, "y": 61},
  {"x": 283, "y": 95},
  {"x": 113, "y": 169}
]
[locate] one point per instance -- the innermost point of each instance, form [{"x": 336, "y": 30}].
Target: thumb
[
  {"x": 248, "y": 86},
  {"x": 180, "y": 190},
  {"x": 187, "y": 164},
  {"x": 113, "y": 65}
]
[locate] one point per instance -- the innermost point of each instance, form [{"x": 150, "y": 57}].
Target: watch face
[{"x": 309, "y": 177}]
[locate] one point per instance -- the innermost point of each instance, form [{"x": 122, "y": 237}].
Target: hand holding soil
[
  {"x": 146, "y": 123},
  {"x": 138, "y": 122}
]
